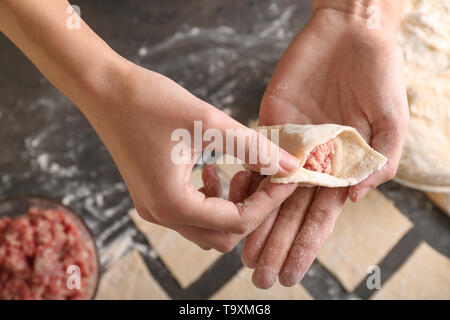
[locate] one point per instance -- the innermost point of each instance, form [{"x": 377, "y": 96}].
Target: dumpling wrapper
[{"x": 353, "y": 161}]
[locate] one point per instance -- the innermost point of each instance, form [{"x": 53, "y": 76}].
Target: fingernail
[{"x": 288, "y": 162}]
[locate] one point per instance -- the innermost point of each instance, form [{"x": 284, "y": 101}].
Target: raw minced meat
[
  {"x": 319, "y": 159},
  {"x": 35, "y": 251}
]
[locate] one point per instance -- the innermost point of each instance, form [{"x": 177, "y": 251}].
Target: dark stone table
[{"x": 222, "y": 51}]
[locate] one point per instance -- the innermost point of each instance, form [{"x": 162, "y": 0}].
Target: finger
[
  {"x": 318, "y": 224},
  {"x": 205, "y": 239},
  {"x": 252, "y": 148},
  {"x": 255, "y": 241},
  {"x": 256, "y": 180},
  {"x": 191, "y": 233},
  {"x": 146, "y": 214},
  {"x": 389, "y": 120},
  {"x": 193, "y": 208},
  {"x": 265, "y": 199},
  {"x": 221, "y": 241},
  {"x": 388, "y": 137},
  {"x": 282, "y": 235},
  {"x": 243, "y": 184},
  {"x": 239, "y": 190},
  {"x": 211, "y": 182},
  {"x": 240, "y": 186}
]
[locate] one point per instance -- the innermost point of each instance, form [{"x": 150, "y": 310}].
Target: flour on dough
[{"x": 425, "y": 41}]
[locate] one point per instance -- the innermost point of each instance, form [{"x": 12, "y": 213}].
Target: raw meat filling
[
  {"x": 319, "y": 159},
  {"x": 35, "y": 251}
]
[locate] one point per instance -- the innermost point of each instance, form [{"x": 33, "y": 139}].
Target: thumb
[
  {"x": 252, "y": 148},
  {"x": 388, "y": 138}
]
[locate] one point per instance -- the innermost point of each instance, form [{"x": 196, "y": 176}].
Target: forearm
[
  {"x": 76, "y": 61},
  {"x": 390, "y": 10}
]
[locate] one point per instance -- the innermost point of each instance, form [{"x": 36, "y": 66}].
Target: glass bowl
[{"x": 17, "y": 206}]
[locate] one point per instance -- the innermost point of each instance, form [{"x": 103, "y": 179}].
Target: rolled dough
[
  {"x": 185, "y": 260},
  {"x": 240, "y": 287},
  {"x": 425, "y": 41},
  {"x": 364, "y": 233},
  {"x": 129, "y": 279},
  {"x": 424, "y": 276}
]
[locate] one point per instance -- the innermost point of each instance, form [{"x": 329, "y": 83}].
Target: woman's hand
[
  {"x": 135, "y": 111},
  {"x": 336, "y": 70},
  {"x": 136, "y": 119}
]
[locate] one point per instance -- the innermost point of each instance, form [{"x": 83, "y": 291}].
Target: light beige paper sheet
[
  {"x": 364, "y": 233},
  {"x": 184, "y": 259},
  {"x": 424, "y": 276}
]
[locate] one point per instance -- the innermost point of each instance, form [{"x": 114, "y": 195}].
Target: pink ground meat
[
  {"x": 319, "y": 158},
  {"x": 35, "y": 251}
]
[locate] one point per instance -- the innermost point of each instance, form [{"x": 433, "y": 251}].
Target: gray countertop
[{"x": 222, "y": 51}]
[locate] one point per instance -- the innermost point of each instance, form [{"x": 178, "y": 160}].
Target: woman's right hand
[{"x": 135, "y": 118}]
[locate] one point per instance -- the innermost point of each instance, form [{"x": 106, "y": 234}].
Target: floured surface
[
  {"x": 240, "y": 287},
  {"x": 424, "y": 276},
  {"x": 185, "y": 260},
  {"x": 353, "y": 160},
  {"x": 364, "y": 233},
  {"x": 129, "y": 279},
  {"x": 425, "y": 41}
]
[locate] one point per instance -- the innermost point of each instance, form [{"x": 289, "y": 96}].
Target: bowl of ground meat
[{"x": 47, "y": 252}]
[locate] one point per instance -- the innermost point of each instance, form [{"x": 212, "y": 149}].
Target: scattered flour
[{"x": 143, "y": 51}]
